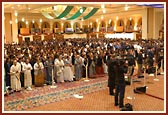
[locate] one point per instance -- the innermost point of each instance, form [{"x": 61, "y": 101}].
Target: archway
[
  {"x": 21, "y": 25},
  {"x": 56, "y": 27},
  {"x": 45, "y": 27}
]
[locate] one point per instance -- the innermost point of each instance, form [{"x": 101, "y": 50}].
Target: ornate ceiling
[{"x": 75, "y": 11}]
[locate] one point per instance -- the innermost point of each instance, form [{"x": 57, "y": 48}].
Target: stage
[{"x": 39, "y": 96}]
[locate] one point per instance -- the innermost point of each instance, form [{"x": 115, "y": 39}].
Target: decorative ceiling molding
[
  {"x": 45, "y": 14},
  {"x": 65, "y": 12},
  {"x": 92, "y": 12},
  {"x": 77, "y": 14}
]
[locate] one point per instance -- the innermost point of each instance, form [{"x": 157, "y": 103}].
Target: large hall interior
[{"x": 83, "y": 57}]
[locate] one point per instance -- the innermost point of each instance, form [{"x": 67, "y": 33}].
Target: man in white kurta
[
  {"x": 67, "y": 71},
  {"x": 27, "y": 75},
  {"x": 38, "y": 73},
  {"x": 59, "y": 63},
  {"x": 15, "y": 76}
]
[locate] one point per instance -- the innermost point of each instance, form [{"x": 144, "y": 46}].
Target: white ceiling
[{"x": 110, "y": 8}]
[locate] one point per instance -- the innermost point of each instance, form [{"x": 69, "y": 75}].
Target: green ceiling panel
[
  {"x": 77, "y": 14},
  {"x": 92, "y": 12},
  {"x": 65, "y": 12}
]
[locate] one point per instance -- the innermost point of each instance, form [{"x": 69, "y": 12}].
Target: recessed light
[
  {"x": 102, "y": 6},
  {"x": 16, "y": 14},
  {"x": 10, "y": 22},
  {"x": 104, "y": 11},
  {"x": 23, "y": 19}
]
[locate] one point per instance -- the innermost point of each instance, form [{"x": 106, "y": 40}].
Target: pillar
[
  {"x": 158, "y": 17},
  {"x": 51, "y": 27},
  {"x": 144, "y": 24},
  {"x": 8, "y": 28},
  {"x": 150, "y": 22},
  {"x": 14, "y": 29}
]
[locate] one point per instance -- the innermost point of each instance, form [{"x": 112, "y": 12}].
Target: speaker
[{"x": 140, "y": 90}]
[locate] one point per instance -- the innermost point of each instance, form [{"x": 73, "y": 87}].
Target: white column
[
  {"x": 144, "y": 24},
  {"x": 14, "y": 28},
  {"x": 158, "y": 17}
]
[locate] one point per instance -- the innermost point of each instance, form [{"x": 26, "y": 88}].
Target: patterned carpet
[
  {"x": 42, "y": 95},
  {"x": 96, "y": 97}
]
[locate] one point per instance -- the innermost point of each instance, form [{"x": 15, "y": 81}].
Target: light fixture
[
  {"x": 104, "y": 11},
  {"x": 102, "y": 6},
  {"x": 97, "y": 20},
  {"x": 81, "y": 10},
  {"x": 41, "y": 20},
  {"x": 130, "y": 18},
  {"x": 54, "y": 8},
  {"x": 23, "y": 19},
  {"x": 126, "y": 7},
  {"x": 27, "y": 22},
  {"x": 117, "y": 18},
  {"x": 102, "y": 17},
  {"x": 10, "y": 21},
  {"x": 82, "y": 19},
  {"x": 16, "y": 20},
  {"x": 109, "y": 21},
  {"x": 33, "y": 21},
  {"x": 16, "y": 14},
  {"x": 63, "y": 18}
]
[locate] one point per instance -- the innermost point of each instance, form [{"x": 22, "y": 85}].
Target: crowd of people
[{"x": 37, "y": 63}]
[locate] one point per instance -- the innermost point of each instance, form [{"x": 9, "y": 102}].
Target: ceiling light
[
  {"x": 26, "y": 22},
  {"x": 29, "y": 8},
  {"x": 16, "y": 20},
  {"x": 63, "y": 18},
  {"x": 97, "y": 20},
  {"x": 33, "y": 21},
  {"x": 109, "y": 21},
  {"x": 102, "y": 6},
  {"x": 104, "y": 11},
  {"x": 117, "y": 18},
  {"x": 10, "y": 22},
  {"x": 102, "y": 17},
  {"x": 54, "y": 8},
  {"x": 81, "y": 10},
  {"x": 23, "y": 19},
  {"x": 130, "y": 18},
  {"x": 126, "y": 8},
  {"x": 16, "y": 14},
  {"x": 41, "y": 20},
  {"x": 82, "y": 19}
]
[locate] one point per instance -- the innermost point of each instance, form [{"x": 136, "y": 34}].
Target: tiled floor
[{"x": 102, "y": 101}]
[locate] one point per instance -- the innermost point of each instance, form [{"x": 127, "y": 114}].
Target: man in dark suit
[
  {"x": 111, "y": 74},
  {"x": 120, "y": 83}
]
